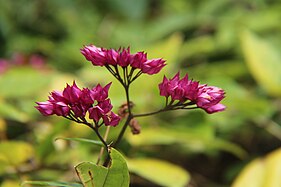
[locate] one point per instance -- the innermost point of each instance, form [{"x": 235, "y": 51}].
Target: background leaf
[
  {"x": 264, "y": 62},
  {"x": 83, "y": 140},
  {"x": 262, "y": 172},
  {"x": 159, "y": 172},
  {"x": 15, "y": 153}
]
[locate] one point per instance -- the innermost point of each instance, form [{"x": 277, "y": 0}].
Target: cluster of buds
[
  {"x": 122, "y": 57},
  {"x": 74, "y": 103},
  {"x": 188, "y": 92}
]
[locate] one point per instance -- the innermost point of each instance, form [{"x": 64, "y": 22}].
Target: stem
[
  {"x": 136, "y": 76},
  {"x": 150, "y": 113},
  {"x": 167, "y": 108},
  {"x": 122, "y": 132},
  {"x": 131, "y": 74},
  {"x": 130, "y": 116},
  {"x": 102, "y": 149},
  {"x": 98, "y": 134}
]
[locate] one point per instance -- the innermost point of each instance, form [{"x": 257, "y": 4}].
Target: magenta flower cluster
[
  {"x": 74, "y": 103},
  {"x": 188, "y": 92},
  {"x": 122, "y": 57}
]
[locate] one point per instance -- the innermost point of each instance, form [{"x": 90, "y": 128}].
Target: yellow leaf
[
  {"x": 251, "y": 176},
  {"x": 15, "y": 153},
  {"x": 160, "y": 172},
  {"x": 264, "y": 62},
  {"x": 261, "y": 172}
]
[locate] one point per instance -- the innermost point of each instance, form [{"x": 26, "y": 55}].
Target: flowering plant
[{"x": 93, "y": 108}]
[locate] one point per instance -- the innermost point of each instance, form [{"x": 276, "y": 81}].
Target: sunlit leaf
[
  {"x": 117, "y": 175},
  {"x": 251, "y": 176},
  {"x": 15, "y": 152},
  {"x": 160, "y": 172},
  {"x": 262, "y": 172},
  {"x": 272, "y": 169},
  {"x": 51, "y": 183},
  {"x": 22, "y": 82},
  {"x": 9, "y": 183},
  {"x": 185, "y": 138},
  {"x": 3, "y": 128},
  {"x": 264, "y": 62},
  {"x": 83, "y": 140}
]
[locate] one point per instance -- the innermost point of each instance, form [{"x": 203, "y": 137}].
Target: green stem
[
  {"x": 102, "y": 149},
  {"x": 130, "y": 116}
]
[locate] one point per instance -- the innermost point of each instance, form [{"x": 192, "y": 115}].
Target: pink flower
[
  {"x": 179, "y": 88},
  {"x": 95, "y": 54},
  {"x": 61, "y": 109},
  {"x": 45, "y": 108},
  {"x": 138, "y": 59},
  {"x": 111, "y": 119},
  {"x": 96, "y": 113},
  {"x": 74, "y": 103},
  {"x": 122, "y": 57},
  {"x": 190, "y": 92},
  {"x": 100, "y": 93},
  {"x": 152, "y": 66},
  {"x": 105, "y": 106},
  {"x": 111, "y": 56},
  {"x": 167, "y": 86},
  {"x": 209, "y": 98},
  {"x": 100, "y": 110},
  {"x": 215, "y": 108},
  {"x": 72, "y": 93}
]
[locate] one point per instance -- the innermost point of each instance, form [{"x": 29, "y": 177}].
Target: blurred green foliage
[{"x": 231, "y": 44}]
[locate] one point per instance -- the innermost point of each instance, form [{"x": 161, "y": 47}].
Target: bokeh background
[{"x": 232, "y": 44}]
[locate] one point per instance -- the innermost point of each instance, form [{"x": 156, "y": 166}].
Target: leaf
[
  {"x": 22, "y": 82},
  {"x": 83, "y": 140},
  {"x": 117, "y": 175},
  {"x": 255, "y": 171},
  {"x": 187, "y": 138},
  {"x": 51, "y": 183},
  {"x": 160, "y": 172},
  {"x": 9, "y": 183},
  {"x": 10, "y": 111},
  {"x": 261, "y": 172},
  {"x": 264, "y": 62},
  {"x": 15, "y": 152}
]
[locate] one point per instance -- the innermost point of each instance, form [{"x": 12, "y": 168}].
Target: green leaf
[
  {"x": 22, "y": 82},
  {"x": 15, "y": 153},
  {"x": 117, "y": 175},
  {"x": 264, "y": 62},
  {"x": 187, "y": 138},
  {"x": 261, "y": 172},
  {"x": 160, "y": 172},
  {"x": 10, "y": 111},
  {"x": 83, "y": 140},
  {"x": 10, "y": 183},
  {"x": 51, "y": 183}
]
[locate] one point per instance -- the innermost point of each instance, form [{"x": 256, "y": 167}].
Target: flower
[
  {"x": 111, "y": 119},
  {"x": 122, "y": 57},
  {"x": 95, "y": 54},
  {"x": 45, "y": 108},
  {"x": 152, "y": 66},
  {"x": 209, "y": 98},
  {"x": 190, "y": 92},
  {"x": 74, "y": 103}
]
